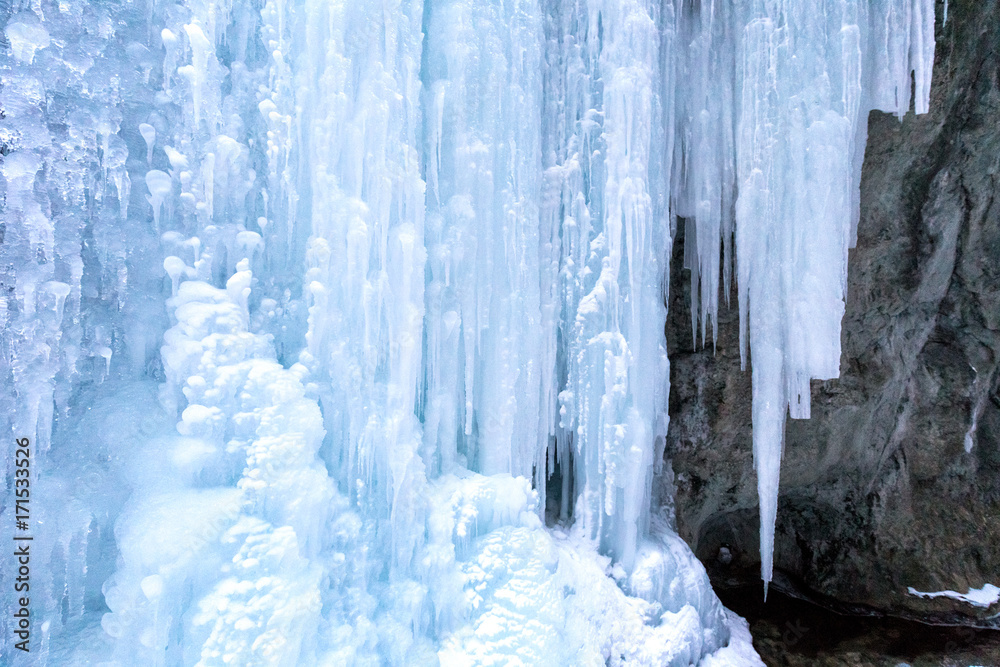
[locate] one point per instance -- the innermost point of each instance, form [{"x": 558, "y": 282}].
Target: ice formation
[
  {"x": 985, "y": 596},
  {"x": 337, "y": 327}
]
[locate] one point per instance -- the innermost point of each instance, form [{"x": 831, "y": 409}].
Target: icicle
[
  {"x": 148, "y": 133},
  {"x": 159, "y": 186}
]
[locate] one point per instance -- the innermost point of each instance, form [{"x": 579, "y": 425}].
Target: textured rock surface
[{"x": 895, "y": 481}]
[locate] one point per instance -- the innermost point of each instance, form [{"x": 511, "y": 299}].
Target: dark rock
[{"x": 895, "y": 480}]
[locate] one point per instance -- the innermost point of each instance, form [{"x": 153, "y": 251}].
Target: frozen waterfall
[{"x": 336, "y": 327}]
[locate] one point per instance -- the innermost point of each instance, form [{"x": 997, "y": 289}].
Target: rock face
[{"x": 895, "y": 480}]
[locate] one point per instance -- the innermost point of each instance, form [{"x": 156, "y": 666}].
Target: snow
[
  {"x": 985, "y": 596},
  {"x": 739, "y": 651},
  {"x": 388, "y": 268},
  {"x": 540, "y": 598}
]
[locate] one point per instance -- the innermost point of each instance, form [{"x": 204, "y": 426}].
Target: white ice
[{"x": 986, "y": 596}]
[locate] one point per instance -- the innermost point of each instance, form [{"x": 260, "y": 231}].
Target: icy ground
[{"x": 308, "y": 304}]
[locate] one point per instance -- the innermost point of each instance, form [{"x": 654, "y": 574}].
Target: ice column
[
  {"x": 488, "y": 350},
  {"x": 609, "y": 177},
  {"x": 344, "y": 127},
  {"x": 356, "y": 123}
]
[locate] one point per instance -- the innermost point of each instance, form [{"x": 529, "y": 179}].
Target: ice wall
[
  {"x": 308, "y": 305},
  {"x": 71, "y": 267}
]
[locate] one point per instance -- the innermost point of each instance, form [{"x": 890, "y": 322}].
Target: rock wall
[{"x": 895, "y": 480}]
